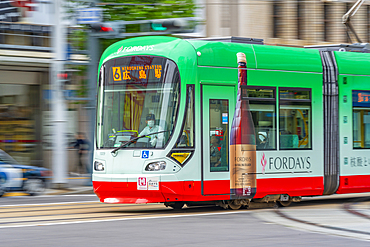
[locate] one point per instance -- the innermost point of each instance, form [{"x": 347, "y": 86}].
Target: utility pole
[
  {"x": 94, "y": 53},
  {"x": 59, "y": 142}
]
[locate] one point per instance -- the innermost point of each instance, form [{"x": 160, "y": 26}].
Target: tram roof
[
  {"x": 223, "y": 54},
  {"x": 353, "y": 63},
  {"x": 217, "y": 53}
]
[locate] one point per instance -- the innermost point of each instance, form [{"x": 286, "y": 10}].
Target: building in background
[
  {"x": 26, "y": 56},
  {"x": 287, "y": 22}
]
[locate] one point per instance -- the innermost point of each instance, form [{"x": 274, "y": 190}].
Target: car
[
  {"x": 10, "y": 178},
  {"x": 17, "y": 177}
]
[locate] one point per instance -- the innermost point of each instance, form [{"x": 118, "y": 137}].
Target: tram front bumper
[
  {"x": 121, "y": 192},
  {"x": 139, "y": 188}
]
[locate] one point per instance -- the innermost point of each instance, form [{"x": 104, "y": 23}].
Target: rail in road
[
  {"x": 83, "y": 212},
  {"x": 344, "y": 217},
  {"x": 64, "y": 213}
]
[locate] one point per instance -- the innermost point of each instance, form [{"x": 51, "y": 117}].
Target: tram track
[
  {"x": 320, "y": 225},
  {"x": 331, "y": 227},
  {"x": 84, "y": 212},
  {"x": 31, "y": 209},
  {"x": 349, "y": 208},
  {"x": 22, "y": 216},
  {"x": 69, "y": 220},
  {"x": 41, "y": 214}
]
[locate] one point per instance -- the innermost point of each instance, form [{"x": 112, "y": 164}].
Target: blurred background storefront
[
  {"x": 20, "y": 112},
  {"x": 26, "y": 55}
]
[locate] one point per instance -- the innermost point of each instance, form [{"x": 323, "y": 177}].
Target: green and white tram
[{"x": 165, "y": 107}]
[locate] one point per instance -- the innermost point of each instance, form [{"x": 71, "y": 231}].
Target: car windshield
[
  {"x": 6, "y": 158},
  {"x": 137, "y": 96}
]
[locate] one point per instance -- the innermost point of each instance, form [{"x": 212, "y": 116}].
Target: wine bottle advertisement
[{"x": 243, "y": 181}]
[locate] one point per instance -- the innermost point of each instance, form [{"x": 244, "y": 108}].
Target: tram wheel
[
  {"x": 234, "y": 205},
  {"x": 177, "y": 205},
  {"x": 285, "y": 203}
]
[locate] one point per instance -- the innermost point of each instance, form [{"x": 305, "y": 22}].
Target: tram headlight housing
[
  {"x": 99, "y": 165},
  {"x": 156, "y": 166}
]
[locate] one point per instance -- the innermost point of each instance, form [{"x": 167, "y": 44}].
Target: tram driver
[{"x": 152, "y": 128}]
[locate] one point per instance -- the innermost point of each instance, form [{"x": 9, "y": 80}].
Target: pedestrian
[{"x": 83, "y": 146}]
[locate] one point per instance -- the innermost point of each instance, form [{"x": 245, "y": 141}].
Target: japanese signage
[
  {"x": 357, "y": 161},
  {"x": 136, "y": 73},
  {"x": 151, "y": 183}
]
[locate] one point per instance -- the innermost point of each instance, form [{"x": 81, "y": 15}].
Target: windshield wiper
[{"x": 136, "y": 138}]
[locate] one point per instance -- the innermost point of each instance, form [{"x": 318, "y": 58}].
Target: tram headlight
[
  {"x": 99, "y": 165},
  {"x": 156, "y": 166}
]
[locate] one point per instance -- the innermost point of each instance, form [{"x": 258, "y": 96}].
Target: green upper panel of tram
[
  {"x": 175, "y": 49},
  {"x": 217, "y": 54},
  {"x": 192, "y": 52},
  {"x": 223, "y": 54},
  {"x": 353, "y": 63}
]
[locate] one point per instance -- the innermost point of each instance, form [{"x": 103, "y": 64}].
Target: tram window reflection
[
  {"x": 295, "y": 119},
  {"x": 361, "y": 119},
  {"x": 361, "y": 128},
  {"x": 187, "y": 134},
  {"x": 263, "y": 109},
  {"x": 219, "y": 139},
  {"x": 264, "y": 119}
]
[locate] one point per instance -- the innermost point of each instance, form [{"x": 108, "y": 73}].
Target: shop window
[
  {"x": 277, "y": 19},
  {"x": 262, "y": 101},
  {"x": 368, "y": 22},
  {"x": 300, "y": 18},
  {"x": 20, "y": 122},
  {"x": 361, "y": 119},
  {"x": 295, "y": 118},
  {"x": 326, "y": 21}
]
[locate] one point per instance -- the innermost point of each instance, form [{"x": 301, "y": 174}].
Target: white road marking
[
  {"x": 45, "y": 204},
  {"x": 123, "y": 219}
]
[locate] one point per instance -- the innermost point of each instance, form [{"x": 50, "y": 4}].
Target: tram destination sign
[
  {"x": 361, "y": 98},
  {"x": 136, "y": 73}
]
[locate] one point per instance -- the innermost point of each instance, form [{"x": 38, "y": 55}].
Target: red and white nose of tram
[{"x": 137, "y": 113}]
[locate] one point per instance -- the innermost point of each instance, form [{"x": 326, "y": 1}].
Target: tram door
[{"x": 218, "y": 105}]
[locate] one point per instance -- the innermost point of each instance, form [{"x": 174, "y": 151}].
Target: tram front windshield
[{"x": 137, "y": 97}]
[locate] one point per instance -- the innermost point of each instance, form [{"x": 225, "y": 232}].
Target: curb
[{"x": 71, "y": 191}]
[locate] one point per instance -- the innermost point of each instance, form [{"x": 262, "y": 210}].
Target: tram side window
[
  {"x": 361, "y": 119},
  {"x": 263, "y": 108},
  {"x": 295, "y": 118},
  {"x": 187, "y": 133},
  {"x": 219, "y": 136}
]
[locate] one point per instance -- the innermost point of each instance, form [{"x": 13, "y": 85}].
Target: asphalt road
[{"x": 80, "y": 220}]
